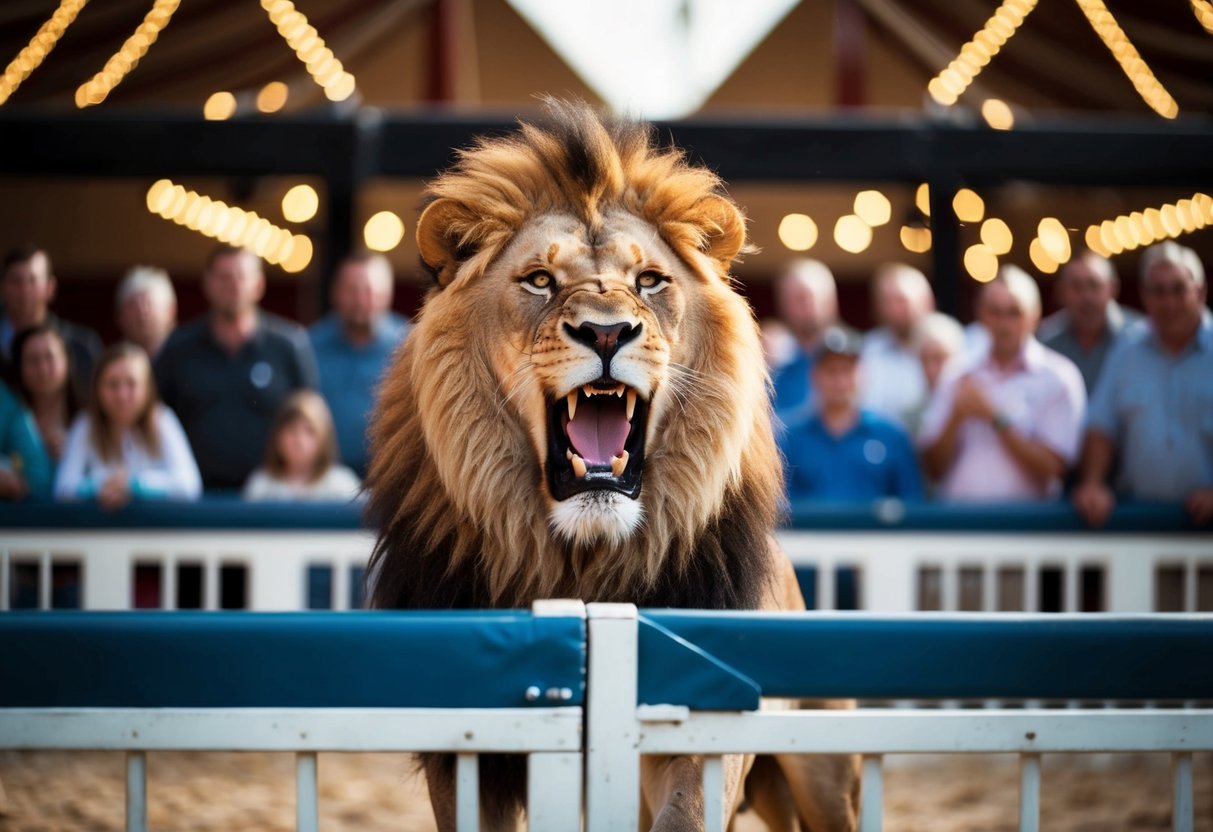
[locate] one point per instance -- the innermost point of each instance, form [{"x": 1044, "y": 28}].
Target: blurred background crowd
[
  {"x": 975, "y": 184},
  {"x": 1093, "y": 403}
]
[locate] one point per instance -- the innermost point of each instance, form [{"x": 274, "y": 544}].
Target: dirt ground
[{"x": 232, "y": 792}]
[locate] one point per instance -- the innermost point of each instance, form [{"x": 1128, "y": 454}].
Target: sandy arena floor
[{"x": 231, "y": 792}]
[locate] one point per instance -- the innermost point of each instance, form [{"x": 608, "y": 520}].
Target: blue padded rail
[
  {"x": 284, "y": 660},
  {"x": 1023, "y": 517},
  {"x": 924, "y": 656},
  {"x": 227, "y": 511}
]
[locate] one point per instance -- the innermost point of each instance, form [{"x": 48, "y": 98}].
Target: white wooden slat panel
[
  {"x": 554, "y": 792},
  {"x": 898, "y": 731},
  {"x": 1029, "y": 793},
  {"x": 136, "y": 791},
  {"x": 467, "y": 793},
  {"x": 612, "y": 763},
  {"x": 307, "y": 793},
  {"x": 505, "y": 730},
  {"x": 871, "y": 805}
]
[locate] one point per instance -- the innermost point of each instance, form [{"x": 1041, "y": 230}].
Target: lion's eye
[
  {"x": 651, "y": 282},
  {"x": 539, "y": 282}
]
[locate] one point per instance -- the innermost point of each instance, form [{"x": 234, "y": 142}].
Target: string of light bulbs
[
  {"x": 40, "y": 45},
  {"x": 95, "y": 90},
  {"x": 228, "y": 224},
  {"x": 948, "y": 85},
  {"x": 309, "y": 47},
  {"x": 1142, "y": 228},
  {"x": 1140, "y": 75}
]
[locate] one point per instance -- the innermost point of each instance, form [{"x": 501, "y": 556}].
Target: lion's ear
[
  {"x": 439, "y": 230},
  {"x": 724, "y": 228}
]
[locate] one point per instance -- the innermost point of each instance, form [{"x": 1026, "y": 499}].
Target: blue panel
[
  {"x": 319, "y": 588},
  {"x": 893, "y": 515},
  {"x": 674, "y": 671},
  {"x": 355, "y": 659},
  {"x": 212, "y": 512},
  {"x": 806, "y": 577},
  {"x": 230, "y": 512},
  {"x": 929, "y": 656}
]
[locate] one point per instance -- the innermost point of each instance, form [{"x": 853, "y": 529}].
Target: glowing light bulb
[
  {"x": 922, "y": 199},
  {"x": 996, "y": 235},
  {"x": 916, "y": 238},
  {"x": 300, "y": 203},
  {"x": 383, "y": 231},
  {"x": 997, "y": 114},
  {"x": 798, "y": 232},
  {"x": 873, "y": 207},
  {"x": 220, "y": 106},
  {"x": 300, "y": 254},
  {"x": 981, "y": 263},
  {"x": 969, "y": 207},
  {"x": 852, "y": 234},
  {"x": 1054, "y": 239},
  {"x": 272, "y": 97},
  {"x": 1040, "y": 258}
]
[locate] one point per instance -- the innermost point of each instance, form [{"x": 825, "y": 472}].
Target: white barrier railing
[
  {"x": 895, "y": 571},
  {"x": 627, "y": 676},
  {"x": 908, "y": 571},
  {"x": 549, "y": 735},
  {"x": 618, "y": 733}
]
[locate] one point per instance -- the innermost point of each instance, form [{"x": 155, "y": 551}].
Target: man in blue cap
[{"x": 834, "y": 449}]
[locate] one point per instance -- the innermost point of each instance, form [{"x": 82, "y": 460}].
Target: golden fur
[
  {"x": 480, "y": 483},
  {"x": 460, "y": 478}
]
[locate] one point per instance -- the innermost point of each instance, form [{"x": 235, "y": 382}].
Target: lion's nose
[{"x": 604, "y": 339}]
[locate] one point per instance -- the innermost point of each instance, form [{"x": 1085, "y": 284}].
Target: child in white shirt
[
  {"x": 127, "y": 445},
  {"x": 301, "y": 456}
]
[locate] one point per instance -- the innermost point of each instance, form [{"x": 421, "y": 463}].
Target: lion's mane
[{"x": 455, "y": 487}]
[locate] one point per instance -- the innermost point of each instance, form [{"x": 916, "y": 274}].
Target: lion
[{"x": 582, "y": 411}]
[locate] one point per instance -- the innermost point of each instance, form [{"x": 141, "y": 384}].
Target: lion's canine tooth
[
  {"x": 631, "y": 403},
  {"x": 572, "y": 400},
  {"x": 578, "y": 465},
  {"x": 618, "y": 463}
]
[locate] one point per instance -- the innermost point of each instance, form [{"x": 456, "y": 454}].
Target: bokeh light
[{"x": 798, "y": 232}]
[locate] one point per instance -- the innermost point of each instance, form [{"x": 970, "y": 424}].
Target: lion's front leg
[
  {"x": 502, "y": 790},
  {"x": 672, "y": 790}
]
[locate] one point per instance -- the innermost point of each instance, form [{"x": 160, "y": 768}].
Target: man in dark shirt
[
  {"x": 28, "y": 287},
  {"x": 226, "y": 374}
]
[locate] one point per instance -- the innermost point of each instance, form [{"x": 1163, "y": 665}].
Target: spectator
[
  {"x": 835, "y": 450},
  {"x": 1153, "y": 405},
  {"x": 1006, "y": 425},
  {"x": 890, "y": 369},
  {"x": 127, "y": 445},
  {"x": 226, "y": 374},
  {"x": 937, "y": 339},
  {"x": 353, "y": 345},
  {"x": 1089, "y": 320},
  {"x": 28, "y": 288},
  {"x": 807, "y": 299},
  {"x": 25, "y": 467},
  {"x": 146, "y": 308},
  {"x": 778, "y": 345},
  {"x": 301, "y": 456},
  {"x": 44, "y": 383}
]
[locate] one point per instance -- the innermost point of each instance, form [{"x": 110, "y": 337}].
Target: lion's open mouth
[{"x": 596, "y": 440}]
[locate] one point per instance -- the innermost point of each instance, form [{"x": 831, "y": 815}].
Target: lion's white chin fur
[{"x": 596, "y": 517}]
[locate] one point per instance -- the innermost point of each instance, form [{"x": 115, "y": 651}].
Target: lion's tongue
[{"x": 600, "y": 429}]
